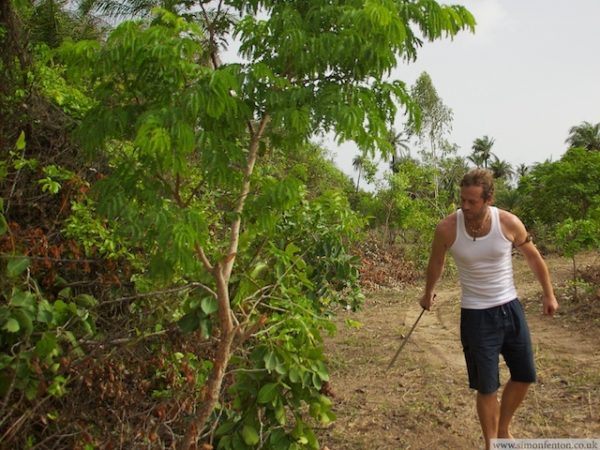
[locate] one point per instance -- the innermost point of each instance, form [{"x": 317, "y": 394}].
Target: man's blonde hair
[{"x": 480, "y": 177}]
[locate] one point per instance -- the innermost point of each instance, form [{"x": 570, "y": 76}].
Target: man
[{"x": 480, "y": 237}]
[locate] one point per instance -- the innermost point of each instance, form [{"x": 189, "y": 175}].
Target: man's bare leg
[
  {"x": 488, "y": 410},
  {"x": 512, "y": 397}
]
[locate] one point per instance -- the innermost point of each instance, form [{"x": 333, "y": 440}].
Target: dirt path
[{"x": 423, "y": 402}]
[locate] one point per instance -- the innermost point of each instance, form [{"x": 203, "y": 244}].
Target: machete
[{"x": 405, "y": 341}]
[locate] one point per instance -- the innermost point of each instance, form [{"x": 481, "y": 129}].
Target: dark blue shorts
[{"x": 487, "y": 333}]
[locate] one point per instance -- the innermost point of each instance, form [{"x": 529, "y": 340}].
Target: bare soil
[{"x": 424, "y": 402}]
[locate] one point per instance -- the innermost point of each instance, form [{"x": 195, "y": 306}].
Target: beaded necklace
[{"x": 474, "y": 231}]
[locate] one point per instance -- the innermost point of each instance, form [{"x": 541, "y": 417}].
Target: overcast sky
[{"x": 529, "y": 72}]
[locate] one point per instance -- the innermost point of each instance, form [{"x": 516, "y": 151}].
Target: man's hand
[
  {"x": 549, "y": 304},
  {"x": 426, "y": 301}
]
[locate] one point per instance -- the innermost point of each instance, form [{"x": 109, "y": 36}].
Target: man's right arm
[{"x": 435, "y": 267}]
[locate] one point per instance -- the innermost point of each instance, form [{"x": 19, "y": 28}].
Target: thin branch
[
  {"x": 176, "y": 192},
  {"x": 53, "y": 438},
  {"x": 120, "y": 341},
  {"x": 8, "y": 394},
  {"x": 170, "y": 189},
  {"x": 242, "y": 370},
  {"x": 200, "y": 252},
  {"x": 214, "y": 56},
  {"x": 268, "y": 329},
  {"x": 47, "y": 258},
  {"x": 163, "y": 292},
  {"x": 14, "y": 428},
  {"x": 235, "y": 226},
  {"x": 14, "y": 185},
  {"x": 194, "y": 192}
]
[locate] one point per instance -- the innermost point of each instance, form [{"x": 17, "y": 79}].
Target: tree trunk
[
  {"x": 388, "y": 232},
  {"x": 212, "y": 389},
  {"x": 14, "y": 43},
  {"x": 436, "y": 180},
  {"x": 358, "y": 180},
  {"x": 222, "y": 273}
]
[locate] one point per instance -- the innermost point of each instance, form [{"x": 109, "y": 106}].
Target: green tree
[
  {"x": 585, "y": 135},
  {"x": 553, "y": 192},
  {"x": 435, "y": 122},
  {"x": 406, "y": 208},
  {"x": 522, "y": 170},
  {"x": 453, "y": 168},
  {"x": 51, "y": 22},
  {"x": 314, "y": 166},
  {"x": 482, "y": 151},
  {"x": 507, "y": 197},
  {"x": 185, "y": 139},
  {"x": 364, "y": 166},
  {"x": 501, "y": 169},
  {"x": 574, "y": 236},
  {"x": 399, "y": 142}
]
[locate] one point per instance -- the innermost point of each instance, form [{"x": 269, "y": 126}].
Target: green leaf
[
  {"x": 3, "y": 225},
  {"x": 279, "y": 440},
  {"x": 280, "y": 368},
  {"x": 224, "y": 429},
  {"x": 73, "y": 341},
  {"x": 20, "y": 144},
  {"x": 224, "y": 443},
  {"x": 209, "y": 305},
  {"x": 47, "y": 346},
  {"x": 322, "y": 371},
  {"x": 316, "y": 381},
  {"x": 250, "y": 435},
  {"x": 25, "y": 320},
  {"x": 271, "y": 361},
  {"x": 267, "y": 393},
  {"x": 31, "y": 390},
  {"x": 291, "y": 249},
  {"x": 23, "y": 299},
  {"x": 205, "y": 328},
  {"x": 327, "y": 417},
  {"x": 189, "y": 323},
  {"x": 260, "y": 267},
  {"x": 351, "y": 323},
  {"x": 45, "y": 312},
  {"x": 11, "y": 325},
  {"x": 16, "y": 266},
  {"x": 280, "y": 413},
  {"x": 85, "y": 300},
  {"x": 58, "y": 386},
  {"x": 294, "y": 375}
]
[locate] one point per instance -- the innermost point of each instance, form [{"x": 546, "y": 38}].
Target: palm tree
[
  {"x": 51, "y": 22},
  {"x": 476, "y": 159},
  {"x": 585, "y": 135},
  {"x": 126, "y": 8},
  {"x": 401, "y": 150},
  {"x": 215, "y": 21},
  {"x": 522, "y": 170},
  {"x": 501, "y": 168},
  {"x": 358, "y": 162},
  {"x": 508, "y": 198},
  {"x": 482, "y": 151}
]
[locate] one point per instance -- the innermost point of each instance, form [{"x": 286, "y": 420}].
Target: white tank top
[{"x": 484, "y": 265}]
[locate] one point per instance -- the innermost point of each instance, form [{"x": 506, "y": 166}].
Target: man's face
[{"x": 472, "y": 203}]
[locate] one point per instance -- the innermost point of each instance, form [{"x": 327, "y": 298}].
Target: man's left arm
[
  {"x": 536, "y": 263},
  {"x": 539, "y": 268}
]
